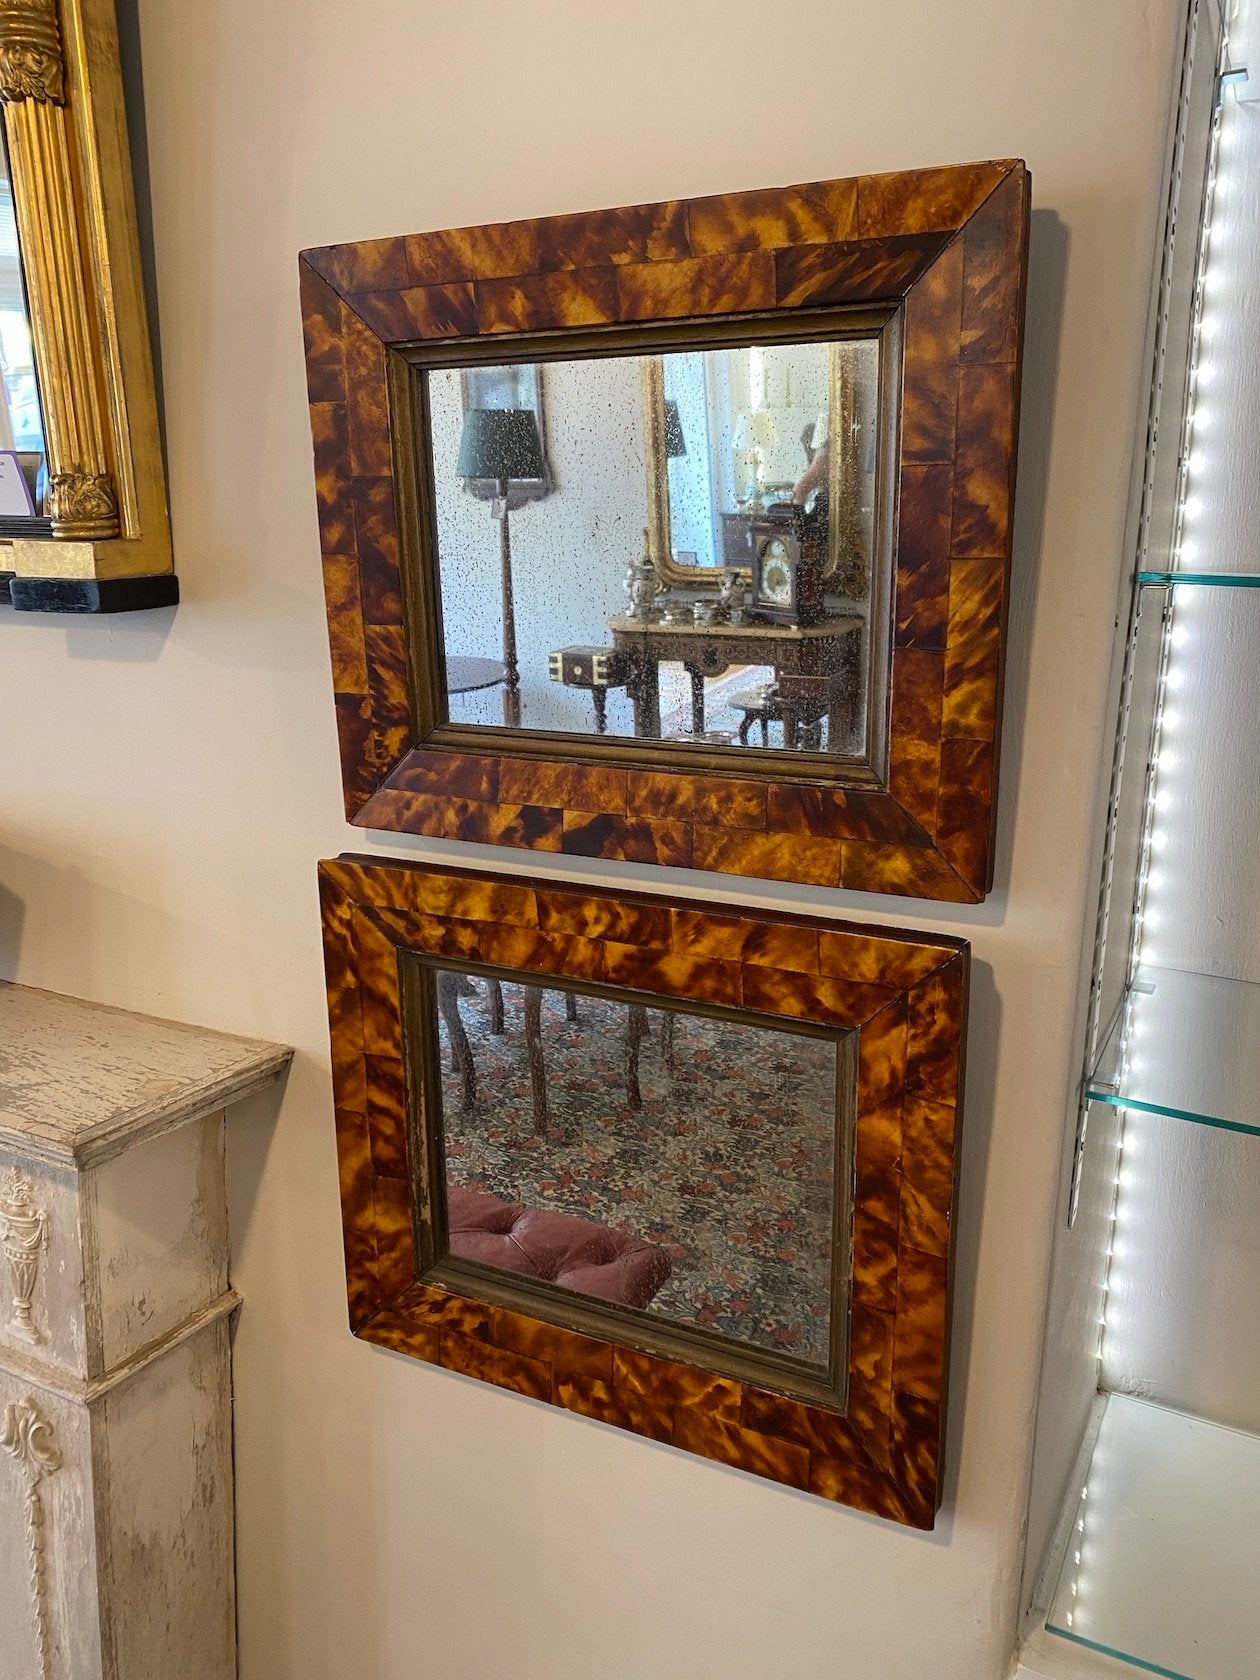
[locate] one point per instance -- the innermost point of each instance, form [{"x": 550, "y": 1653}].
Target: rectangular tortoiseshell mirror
[
  {"x": 680, "y": 533},
  {"x": 683, "y": 1168}
]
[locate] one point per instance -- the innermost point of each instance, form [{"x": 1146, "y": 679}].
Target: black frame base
[{"x": 93, "y": 595}]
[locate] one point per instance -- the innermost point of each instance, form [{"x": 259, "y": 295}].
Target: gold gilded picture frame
[{"x": 108, "y": 543}]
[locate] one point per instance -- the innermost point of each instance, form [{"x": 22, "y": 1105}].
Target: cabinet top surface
[{"x": 80, "y": 1081}]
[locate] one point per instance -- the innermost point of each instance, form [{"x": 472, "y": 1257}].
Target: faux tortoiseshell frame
[
  {"x": 946, "y": 249},
  {"x": 903, "y": 995}
]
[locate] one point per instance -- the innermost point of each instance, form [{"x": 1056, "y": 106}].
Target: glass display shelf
[
  {"x": 1160, "y": 1566},
  {"x": 1192, "y": 1050},
  {"x": 1210, "y": 580}
]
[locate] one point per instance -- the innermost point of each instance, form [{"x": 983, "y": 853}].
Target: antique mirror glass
[
  {"x": 682, "y": 1166},
  {"x": 23, "y": 476},
  {"x": 711, "y": 568}
]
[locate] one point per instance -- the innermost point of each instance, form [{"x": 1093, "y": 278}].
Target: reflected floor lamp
[{"x": 503, "y": 444}]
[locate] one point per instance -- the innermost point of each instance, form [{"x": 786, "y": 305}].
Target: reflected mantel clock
[
  {"x": 787, "y": 568},
  {"x": 98, "y": 535}
]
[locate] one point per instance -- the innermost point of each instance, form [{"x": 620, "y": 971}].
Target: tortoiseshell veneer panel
[
  {"x": 904, "y": 995},
  {"x": 947, "y": 249}
]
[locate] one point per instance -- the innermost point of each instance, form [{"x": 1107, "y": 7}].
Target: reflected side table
[{"x": 828, "y": 651}]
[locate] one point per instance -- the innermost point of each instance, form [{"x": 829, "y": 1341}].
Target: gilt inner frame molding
[
  {"x": 944, "y": 250},
  {"x": 417, "y": 542},
  {"x": 875, "y": 1439}
]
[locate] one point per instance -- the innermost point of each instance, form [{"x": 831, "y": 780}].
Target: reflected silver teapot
[
  {"x": 641, "y": 585},
  {"x": 734, "y": 595}
]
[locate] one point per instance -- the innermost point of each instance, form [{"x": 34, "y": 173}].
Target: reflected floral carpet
[{"x": 728, "y": 1165}]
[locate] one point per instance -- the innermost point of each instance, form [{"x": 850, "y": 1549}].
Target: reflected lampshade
[
  {"x": 500, "y": 443},
  {"x": 675, "y": 442},
  {"x": 755, "y": 429}
]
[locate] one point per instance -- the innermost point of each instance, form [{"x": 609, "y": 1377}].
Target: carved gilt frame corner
[
  {"x": 65, "y": 127},
  {"x": 875, "y": 1440},
  {"x": 938, "y": 255}
]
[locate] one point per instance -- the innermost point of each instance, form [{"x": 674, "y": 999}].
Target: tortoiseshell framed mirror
[
  {"x": 685, "y": 1168},
  {"x": 756, "y": 624}
]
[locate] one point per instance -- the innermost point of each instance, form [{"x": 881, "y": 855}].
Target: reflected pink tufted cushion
[{"x": 575, "y": 1253}]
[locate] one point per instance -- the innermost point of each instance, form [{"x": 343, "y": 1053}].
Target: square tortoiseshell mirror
[
  {"x": 680, "y": 533},
  {"x": 684, "y": 1168}
]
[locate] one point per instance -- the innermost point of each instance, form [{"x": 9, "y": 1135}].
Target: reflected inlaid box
[
  {"x": 851, "y": 347},
  {"x": 684, "y": 1168}
]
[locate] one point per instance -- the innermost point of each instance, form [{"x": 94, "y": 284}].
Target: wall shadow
[
  {"x": 12, "y": 917},
  {"x": 1047, "y": 274},
  {"x": 973, "y": 1151}
]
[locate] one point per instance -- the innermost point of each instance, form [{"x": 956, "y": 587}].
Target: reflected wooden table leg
[
  {"x": 534, "y": 1053},
  {"x": 461, "y": 1050},
  {"x": 570, "y": 1006},
  {"x": 645, "y": 697},
  {"x": 636, "y": 1032},
  {"x": 697, "y": 699},
  {"x": 496, "y": 1007},
  {"x": 600, "y": 697},
  {"x": 667, "y": 1039},
  {"x": 843, "y": 711}
]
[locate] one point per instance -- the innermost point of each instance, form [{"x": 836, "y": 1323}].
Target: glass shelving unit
[
  {"x": 1157, "y": 1551},
  {"x": 1160, "y": 1565},
  {"x": 1207, "y": 580},
  {"x": 1186, "y": 1045}
]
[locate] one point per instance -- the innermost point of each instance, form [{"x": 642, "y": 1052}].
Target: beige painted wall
[{"x": 169, "y": 781}]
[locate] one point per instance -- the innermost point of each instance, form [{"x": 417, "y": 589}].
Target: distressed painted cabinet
[{"x": 116, "y": 1499}]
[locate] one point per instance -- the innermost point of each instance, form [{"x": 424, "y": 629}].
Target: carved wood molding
[
  {"x": 24, "y": 1232},
  {"x": 31, "y": 61},
  {"x": 27, "y": 1437},
  {"x": 83, "y": 503}
]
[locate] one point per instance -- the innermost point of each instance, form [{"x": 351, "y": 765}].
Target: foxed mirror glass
[
  {"x": 709, "y": 571},
  {"x": 681, "y": 1164}
]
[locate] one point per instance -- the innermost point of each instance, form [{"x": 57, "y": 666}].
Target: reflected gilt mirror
[
  {"x": 685, "y": 1168},
  {"x": 737, "y": 601}
]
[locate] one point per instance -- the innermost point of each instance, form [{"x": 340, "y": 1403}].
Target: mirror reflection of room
[
  {"x": 23, "y": 472},
  {"x": 670, "y": 547},
  {"x": 679, "y": 1163}
]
